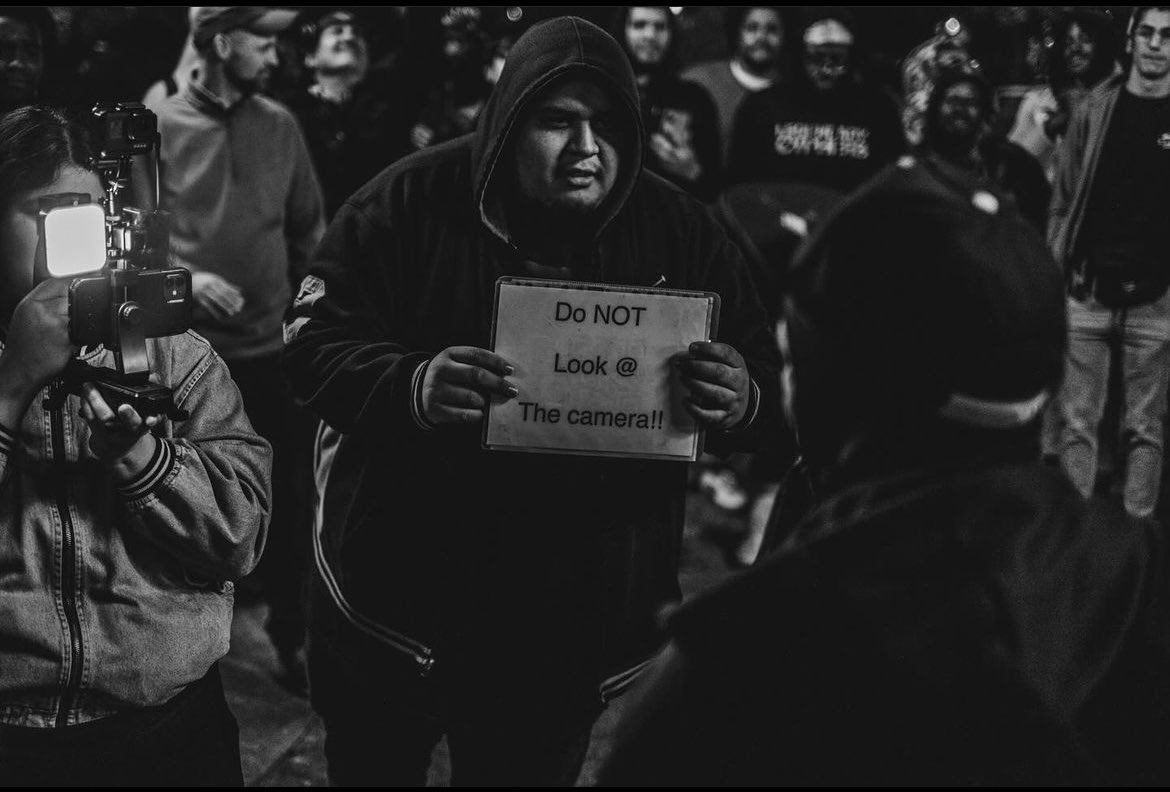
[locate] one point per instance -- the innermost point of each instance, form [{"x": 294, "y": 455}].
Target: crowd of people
[{"x": 935, "y": 269}]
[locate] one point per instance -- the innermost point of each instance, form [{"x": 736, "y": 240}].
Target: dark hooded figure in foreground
[
  {"x": 952, "y": 613},
  {"x": 499, "y": 598}
]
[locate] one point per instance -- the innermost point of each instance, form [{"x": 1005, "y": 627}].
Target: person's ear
[{"x": 222, "y": 45}]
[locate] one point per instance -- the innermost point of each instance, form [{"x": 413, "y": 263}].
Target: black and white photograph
[{"x": 639, "y": 396}]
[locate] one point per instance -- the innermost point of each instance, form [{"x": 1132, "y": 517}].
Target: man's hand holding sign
[
  {"x": 717, "y": 378},
  {"x": 460, "y": 380}
]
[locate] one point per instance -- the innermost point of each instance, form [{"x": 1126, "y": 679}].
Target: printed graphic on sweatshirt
[{"x": 824, "y": 140}]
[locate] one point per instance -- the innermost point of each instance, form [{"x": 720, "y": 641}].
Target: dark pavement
[{"x": 282, "y": 741}]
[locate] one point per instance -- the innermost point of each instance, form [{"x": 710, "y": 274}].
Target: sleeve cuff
[
  {"x": 416, "y": 406},
  {"x": 753, "y": 409},
  {"x": 7, "y": 440},
  {"x": 152, "y": 475}
]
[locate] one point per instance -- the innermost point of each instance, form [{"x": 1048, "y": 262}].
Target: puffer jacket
[{"x": 117, "y": 596}]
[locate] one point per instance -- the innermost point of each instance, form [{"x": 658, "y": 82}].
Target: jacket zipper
[
  {"x": 418, "y": 652},
  {"x": 68, "y": 570}
]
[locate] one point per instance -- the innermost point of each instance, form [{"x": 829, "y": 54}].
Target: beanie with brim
[
  {"x": 927, "y": 294},
  {"x": 209, "y": 21}
]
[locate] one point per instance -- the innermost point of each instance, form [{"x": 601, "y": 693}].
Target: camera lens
[
  {"x": 114, "y": 129},
  {"x": 175, "y": 288}
]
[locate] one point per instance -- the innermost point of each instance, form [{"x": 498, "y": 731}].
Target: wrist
[
  {"x": 132, "y": 462},
  {"x": 750, "y": 409},
  {"x": 16, "y": 392},
  {"x": 417, "y": 410}
]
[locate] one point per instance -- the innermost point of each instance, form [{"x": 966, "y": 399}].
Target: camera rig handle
[{"x": 117, "y": 389}]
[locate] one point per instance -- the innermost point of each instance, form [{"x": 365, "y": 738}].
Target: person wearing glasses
[{"x": 1106, "y": 227}]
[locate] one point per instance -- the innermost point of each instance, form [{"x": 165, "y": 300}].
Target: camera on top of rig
[{"x": 121, "y": 292}]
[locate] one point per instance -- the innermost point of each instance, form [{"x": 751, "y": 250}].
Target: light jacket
[
  {"x": 116, "y": 596},
  {"x": 245, "y": 204},
  {"x": 1076, "y": 167}
]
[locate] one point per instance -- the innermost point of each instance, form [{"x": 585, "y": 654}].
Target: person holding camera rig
[{"x": 120, "y": 534}]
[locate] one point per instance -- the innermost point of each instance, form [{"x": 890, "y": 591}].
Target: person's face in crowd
[
  {"x": 341, "y": 47},
  {"x": 456, "y": 45},
  {"x": 760, "y": 38},
  {"x": 648, "y": 34},
  {"x": 21, "y": 62},
  {"x": 959, "y": 112},
  {"x": 566, "y": 155},
  {"x": 826, "y": 65},
  {"x": 251, "y": 61},
  {"x": 18, "y": 232},
  {"x": 1078, "y": 50},
  {"x": 1151, "y": 45}
]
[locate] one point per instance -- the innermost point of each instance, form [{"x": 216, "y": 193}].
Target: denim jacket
[{"x": 118, "y": 595}]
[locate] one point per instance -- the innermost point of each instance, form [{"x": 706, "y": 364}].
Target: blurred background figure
[
  {"x": 948, "y": 48},
  {"x": 827, "y": 126},
  {"x": 1085, "y": 46},
  {"x": 756, "y": 44},
  {"x": 1107, "y": 231},
  {"x": 28, "y": 38},
  {"x": 185, "y": 70},
  {"x": 246, "y": 214},
  {"x": 756, "y": 35},
  {"x": 353, "y": 116},
  {"x": 797, "y": 148},
  {"x": 458, "y": 88},
  {"x": 680, "y": 118},
  {"x": 958, "y": 131}
]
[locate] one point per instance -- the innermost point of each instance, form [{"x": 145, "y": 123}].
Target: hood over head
[{"x": 550, "y": 52}]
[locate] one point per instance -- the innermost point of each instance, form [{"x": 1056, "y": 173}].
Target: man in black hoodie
[{"x": 499, "y": 598}]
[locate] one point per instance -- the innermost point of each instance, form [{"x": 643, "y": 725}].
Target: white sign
[{"x": 594, "y": 368}]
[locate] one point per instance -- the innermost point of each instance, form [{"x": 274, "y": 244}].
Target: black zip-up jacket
[{"x": 527, "y": 564}]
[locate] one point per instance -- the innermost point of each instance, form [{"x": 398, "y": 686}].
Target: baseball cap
[
  {"x": 924, "y": 294},
  {"x": 336, "y": 17},
  {"x": 207, "y": 21},
  {"x": 828, "y": 31},
  {"x": 314, "y": 20}
]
